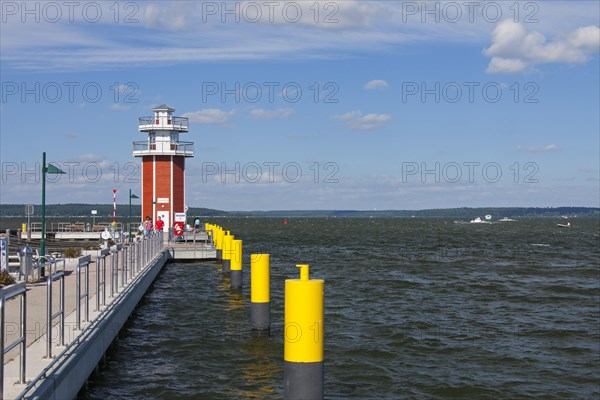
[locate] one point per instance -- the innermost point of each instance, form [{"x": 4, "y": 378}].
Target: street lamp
[
  {"x": 131, "y": 196},
  {"x": 46, "y": 169}
]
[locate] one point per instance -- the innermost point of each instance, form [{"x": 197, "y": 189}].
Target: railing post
[
  {"x": 23, "y": 351},
  {"x": 124, "y": 266},
  {"x": 60, "y": 313},
  {"x": 104, "y": 280},
  {"x": 112, "y": 273},
  {"x": 117, "y": 269},
  {"x": 49, "y": 316},
  {"x": 84, "y": 262},
  {"x": 131, "y": 259},
  {"x": 78, "y": 295},
  {"x": 2, "y": 305},
  {"x": 62, "y": 307},
  {"x": 138, "y": 256},
  {"x": 18, "y": 289},
  {"x": 97, "y": 283},
  {"x": 87, "y": 290}
]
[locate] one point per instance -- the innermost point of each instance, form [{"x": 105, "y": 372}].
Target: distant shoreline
[{"x": 105, "y": 211}]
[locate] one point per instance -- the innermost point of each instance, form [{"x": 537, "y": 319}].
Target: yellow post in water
[
  {"x": 260, "y": 296},
  {"x": 259, "y": 278},
  {"x": 220, "y": 235},
  {"x": 236, "y": 265},
  {"x": 236, "y": 255},
  {"x": 303, "y": 337},
  {"x": 226, "y": 252}
]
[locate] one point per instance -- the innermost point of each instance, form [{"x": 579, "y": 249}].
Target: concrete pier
[{"x": 62, "y": 376}]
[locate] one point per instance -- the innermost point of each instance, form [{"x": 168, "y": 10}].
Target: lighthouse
[{"x": 163, "y": 164}]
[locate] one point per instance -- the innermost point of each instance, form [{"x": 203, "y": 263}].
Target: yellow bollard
[
  {"x": 23, "y": 228},
  {"x": 260, "y": 297},
  {"x": 236, "y": 265},
  {"x": 303, "y": 372},
  {"x": 220, "y": 235},
  {"x": 227, "y": 252}
]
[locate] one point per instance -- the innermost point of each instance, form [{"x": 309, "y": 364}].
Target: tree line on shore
[{"x": 106, "y": 211}]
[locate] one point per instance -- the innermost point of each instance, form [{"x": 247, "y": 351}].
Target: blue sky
[{"x": 367, "y": 105}]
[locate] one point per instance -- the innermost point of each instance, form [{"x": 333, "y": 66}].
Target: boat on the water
[
  {"x": 506, "y": 219},
  {"x": 478, "y": 220},
  {"x": 568, "y": 225}
]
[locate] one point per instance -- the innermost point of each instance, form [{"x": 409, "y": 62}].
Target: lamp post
[
  {"x": 131, "y": 196},
  {"x": 46, "y": 169}
]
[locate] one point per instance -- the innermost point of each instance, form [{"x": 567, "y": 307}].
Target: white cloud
[
  {"x": 209, "y": 116},
  {"x": 170, "y": 33},
  {"x": 539, "y": 149},
  {"x": 513, "y": 49},
  {"x": 260, "y": 113},
  {"x": 376, "y": 84},
  {"x": 505, "y": 65},
  {"x": 356, "y": 121}
]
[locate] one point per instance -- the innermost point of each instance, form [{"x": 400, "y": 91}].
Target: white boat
[
  {"x": 568, "y": 225},
  {"x": 506, "y": 219},
  {"x": 488, "y": 217},
  {"x": 478, "y": 221}
]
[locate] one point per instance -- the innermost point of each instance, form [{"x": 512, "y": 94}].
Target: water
[{"x": 414, "y": 309}]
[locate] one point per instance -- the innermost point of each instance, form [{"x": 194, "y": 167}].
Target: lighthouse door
[{"x": 164, "y": 215}]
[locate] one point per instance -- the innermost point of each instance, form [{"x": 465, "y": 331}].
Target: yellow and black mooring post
[
  {"x": 227, "y": 252},
  {"x": 260, "y": 297},
  {"x": 236, "y": 266},
  {"x": 218, "y": 235},
  {"x": 303, "y": 372}
]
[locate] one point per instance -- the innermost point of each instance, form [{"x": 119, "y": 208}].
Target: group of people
[{"x": 147, "y": 226}]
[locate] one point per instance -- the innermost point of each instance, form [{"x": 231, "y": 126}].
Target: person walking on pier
[
  {"x": 197, "y": 223},
  {"x": 160, "y": 224},
  {"x": 147, "y": 226}
]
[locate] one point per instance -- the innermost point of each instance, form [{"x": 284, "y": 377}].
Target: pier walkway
[{"x": 108, "y": 287}]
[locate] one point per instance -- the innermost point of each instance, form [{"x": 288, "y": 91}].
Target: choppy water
[{"x": 414, "y": 309}]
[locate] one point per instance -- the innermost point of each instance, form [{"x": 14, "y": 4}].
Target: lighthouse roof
[{"x": 163, "y": 107}]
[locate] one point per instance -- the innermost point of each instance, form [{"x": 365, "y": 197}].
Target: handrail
[
  {"x": 60, "y": 313},
  {"x": 84, "y": 262},
  {"x": 171, "y": 121},
  {"x": 124, "y": 266},
  {"x": 140, "y": 255},
  {"x": 18, "y": 289},
  {"x": 132, "y": 253},
  {"x": 58, "y": 361},
  {"x": 101, "y": 271},
  {"x": 151, "y": 248},
  {"x": 114, "y": 273}
]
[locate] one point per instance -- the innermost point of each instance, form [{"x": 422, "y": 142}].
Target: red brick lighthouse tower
[{"x": 163, "y": 164}]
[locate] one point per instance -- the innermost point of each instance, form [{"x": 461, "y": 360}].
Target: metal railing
[
  {"x": 124, "y": 267},
  {"x": 179, "y": 148},
  {"x": 18, "y": 289},
  {"x": 60, "y": 275},
  {"x": 84, "y": 263},
  {"x": 101, "y": 272},
  {"x": 201, "y": 241},
  {"x": 140, "y": 254},
  {"x": 59, "y": 360},
  {"x": 164, "y": 122},
  {"x": 75, "y": 226}
]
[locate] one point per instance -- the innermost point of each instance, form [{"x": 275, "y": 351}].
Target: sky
[{"x": 364, "y": 105}]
